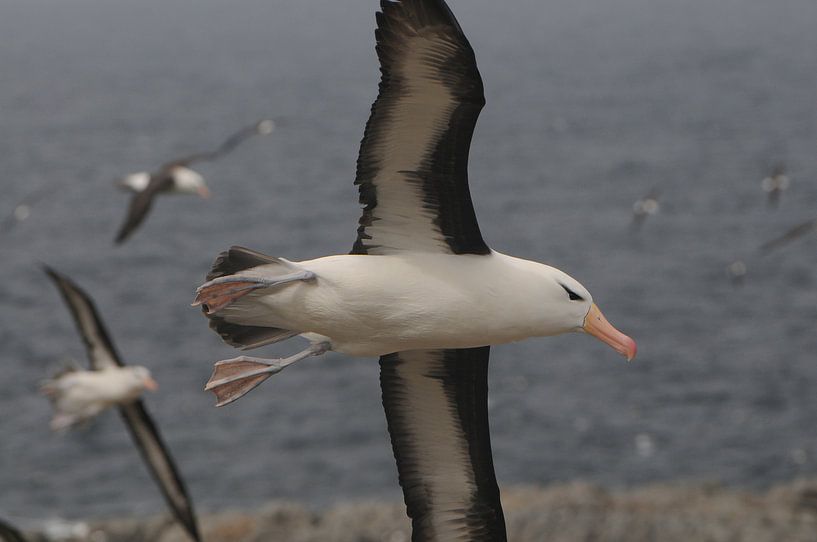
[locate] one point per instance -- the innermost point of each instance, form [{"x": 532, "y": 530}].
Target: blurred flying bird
[
  {"x": 775, "y": 184},
  {"x": 78, "y": 396},
  {"x": 22, "y": 210},
  {"x": 126, "y": 384},
  {"x": 790, "y": 235},
  {"x": 645, "y": 207},
  {"x": 420, "y": 289},
  {"x": 736, "y": 271},
  {"x": 177, "y": 178}
]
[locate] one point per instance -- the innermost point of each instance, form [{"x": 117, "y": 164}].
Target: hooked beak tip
[
  {"x": 631, "y": 349},
  {"x": 597, "y": 325}
]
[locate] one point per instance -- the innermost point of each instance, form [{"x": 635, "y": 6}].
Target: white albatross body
[
  {"x": 183, "y": 180},
  {"x": 78, "y": 396},
  {"x": 420, "y": 288},
  {"x": 415, "y": 301}
]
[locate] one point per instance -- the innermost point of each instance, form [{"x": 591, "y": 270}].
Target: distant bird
[
  {"x": 78, "y": 395},
  {"x": 736, "y": 271},
  {"x": 645, "y": 207},
  {"x": 420, "y": 289},
  {"x": 9, "y": 533},
  {"x": 177, "y": 178},
  {"x": 775, "y": 184},
  {"x": 110, "y": 370},
  {"x": 798, "y": 231},
  {"x": 23, "y": 208}
]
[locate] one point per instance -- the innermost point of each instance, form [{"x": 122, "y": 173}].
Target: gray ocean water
[{"x": 590, "y": 105}]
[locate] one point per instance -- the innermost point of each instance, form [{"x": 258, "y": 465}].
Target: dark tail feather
[
  {"x": 238, "y": 259},
  {"x": 248, "y": 337}
]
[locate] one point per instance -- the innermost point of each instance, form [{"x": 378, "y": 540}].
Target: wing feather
[
  {"x": 436, "y": 404},
  {"x": 101, "y": 351},
  {"x": 160, "y": 464},
  {"x": 140, "y": 204},
  {"x": 412, "y": 170}
]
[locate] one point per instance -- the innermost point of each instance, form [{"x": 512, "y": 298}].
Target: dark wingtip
[{"x": 52, "y": 273}]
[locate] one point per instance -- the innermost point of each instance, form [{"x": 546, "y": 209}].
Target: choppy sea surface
[{"x": 590, "y": 106}]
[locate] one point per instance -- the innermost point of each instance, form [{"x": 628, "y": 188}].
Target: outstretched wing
[
  {"x": 160, "y": 463},
  {"x": 262, "y": 127},
  {"x": 102, "y": 355},
  {"x": 793, "y": 234},
  {"x": 412, "y": 170},
  {"x": 141, "y": 203},
  {"x": 436, "y": 404},
  {"x": 101, "y": 351}
]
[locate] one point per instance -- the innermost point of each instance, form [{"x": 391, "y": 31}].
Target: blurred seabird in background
[
  {"x": 176, "y": 177},
  {"x": 775, "y": 184},
  {"x": 645, "y": 207},
  {"x": 736, "y": 271},
  {"x": 23, "y": 209},
  {"x": 78, "y": 396},
  {"x": 796, "y": 232},
  {"x": 104, "y": 359}
]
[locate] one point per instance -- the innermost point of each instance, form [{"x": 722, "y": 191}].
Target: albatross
[
  {"x": 420, "y": 289},
  {"x": 111, "y": 371},
  {"x": 645, "y": 207},
  {"x": 176, "y": 177},
  {"x": 775, "y": 184}
]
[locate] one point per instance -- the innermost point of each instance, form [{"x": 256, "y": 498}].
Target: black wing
[
  {"x": 9, "y": 533},
  {"x": 261, "y": 127},
  {"x": 101, "y": 351},
  {"x": 436, "y": 404},
  {"x": 791, "y": 235},
  {"x": 412, "y": 170},
  {"x": 141, "y": 203},
  {"x": 160, "y": 463},
  {"x": 102, "y": 355}
]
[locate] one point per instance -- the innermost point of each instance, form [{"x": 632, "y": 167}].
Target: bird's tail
[{"x": 236, "y": 273}]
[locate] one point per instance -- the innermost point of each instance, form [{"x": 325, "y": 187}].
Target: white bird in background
[
  {"x": 420, "y": 289},
  {"x": 645, "y": 207},
  {"x": 736, "y": 271},
  {"x": 792, "y": 234},
  {"x": 78, "y": 395},
  {"x": 775, "y": 184},
  {"x": 177, "y": 178},
  {"x": 23, "y": 209}
]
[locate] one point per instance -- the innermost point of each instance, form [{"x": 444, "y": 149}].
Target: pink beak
[
  {"x": 597, "y": 325},
  {"x": 203, "y": 191},
  {"x": 151, "y": 384}
]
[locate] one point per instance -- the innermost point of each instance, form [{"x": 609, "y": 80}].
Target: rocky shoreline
[{"x": 562, "y": 513}]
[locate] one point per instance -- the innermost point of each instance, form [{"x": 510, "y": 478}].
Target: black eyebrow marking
[{"x": 573, "y": 295}]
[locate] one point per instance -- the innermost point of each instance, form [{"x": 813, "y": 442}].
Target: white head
[
  {"x": 187, "y": 181},
  {"x": 141, "y": 379},
  {"x": 567, "y": 306},
  {"x": 265, "y": 127},
  {"x": 135, "y": 182}
]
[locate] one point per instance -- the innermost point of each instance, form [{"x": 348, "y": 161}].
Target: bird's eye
[{"x": 573, "y": 295}]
